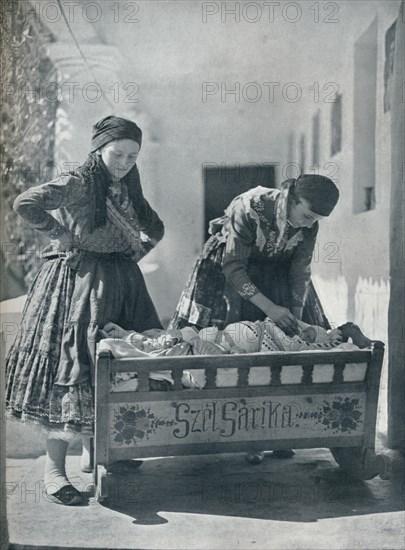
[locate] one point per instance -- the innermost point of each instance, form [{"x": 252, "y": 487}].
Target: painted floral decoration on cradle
[
  {"x": 342, "y": 415},
  {"x": 133, "y": 423}
]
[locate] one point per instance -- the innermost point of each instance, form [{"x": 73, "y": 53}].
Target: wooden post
[
  {"x": 102, "y": 428},
  {"x": 396, "y": 314},
  {"x": 373, "y": 386}
]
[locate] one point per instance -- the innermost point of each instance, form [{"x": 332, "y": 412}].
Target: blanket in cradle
[{"x": 244, "y": 337}]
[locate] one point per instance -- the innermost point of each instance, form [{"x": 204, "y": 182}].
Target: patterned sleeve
[
  {"x": 33, "y": 204},
  {"x": 300, "y": 268},
  {"x": 240, "y": 239}
]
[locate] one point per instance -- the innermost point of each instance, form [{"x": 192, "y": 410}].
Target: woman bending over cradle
[{"x": 257, "y": 263}]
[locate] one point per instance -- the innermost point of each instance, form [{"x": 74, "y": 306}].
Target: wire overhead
[{"x": 81, "y": 52}]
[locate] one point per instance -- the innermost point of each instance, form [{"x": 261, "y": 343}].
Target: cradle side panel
[
  {"x": 305, "y": 414},
  {"x": 237, "y": 419}
]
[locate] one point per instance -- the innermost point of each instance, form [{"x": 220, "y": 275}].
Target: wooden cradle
[{"x": 298, "y": 408}]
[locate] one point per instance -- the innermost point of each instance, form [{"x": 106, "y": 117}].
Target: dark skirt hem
[{"x": 67, "y": 429}]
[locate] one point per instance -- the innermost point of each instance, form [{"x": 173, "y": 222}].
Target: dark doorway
[{"x": 223, "y": 182}]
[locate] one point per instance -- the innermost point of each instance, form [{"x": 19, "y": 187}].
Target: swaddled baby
[
  {"x": 154, "y": 343},
  {"x": 262, "y": 336},
  {"x": 241, "y": 337},
  {"x": 265, "y": 336}
]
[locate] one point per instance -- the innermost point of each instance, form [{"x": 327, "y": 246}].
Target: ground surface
[{"x": 213, "y": 502}]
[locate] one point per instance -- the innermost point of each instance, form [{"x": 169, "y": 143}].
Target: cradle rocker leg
[
  {"x": 361, "y": 463},
  {"x": 101, "y": 483}
]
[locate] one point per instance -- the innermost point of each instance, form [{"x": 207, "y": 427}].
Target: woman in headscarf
[
  {"x": 100, "y": 228},
  {"x": 257, "y": 262}
]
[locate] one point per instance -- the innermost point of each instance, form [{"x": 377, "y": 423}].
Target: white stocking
[
  {"x": 86, "y": 461},
  {"x": 55, "y": 472}
]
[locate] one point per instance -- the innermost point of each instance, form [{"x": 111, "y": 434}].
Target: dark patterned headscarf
[
  {"x": 320, "y": 191},
  {"x": 98, "y": 179},
  {"x": 96, "y": 174},
  {"x": 114, "y": 127}
]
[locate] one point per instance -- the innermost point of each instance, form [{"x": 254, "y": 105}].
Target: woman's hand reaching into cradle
[
  {"x": 279, "y": 315},
  {"x": 284, "y": 319}
]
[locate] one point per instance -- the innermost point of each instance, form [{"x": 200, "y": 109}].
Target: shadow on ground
[
  {"x": 306, "y": 488},
  {"x": 211, "y": 502}
]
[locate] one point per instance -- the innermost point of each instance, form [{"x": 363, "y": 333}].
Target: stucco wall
[{"x": 356, "y": 287}]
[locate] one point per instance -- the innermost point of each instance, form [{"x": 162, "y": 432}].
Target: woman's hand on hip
[{"x": 62, "y": 240}]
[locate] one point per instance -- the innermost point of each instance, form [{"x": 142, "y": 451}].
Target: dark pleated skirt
[
  {"x": 50, "y": 366},
  {"x": 208, "y": 300}
]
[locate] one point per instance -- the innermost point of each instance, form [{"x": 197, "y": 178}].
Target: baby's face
[
  {"x": 148, "y": 345},
  {"x": 138, "y": 340}
]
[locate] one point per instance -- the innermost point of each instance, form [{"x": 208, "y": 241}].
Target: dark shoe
[
  {"x": 68, "y": 496},
  {"x": 285, "y": 453}
]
